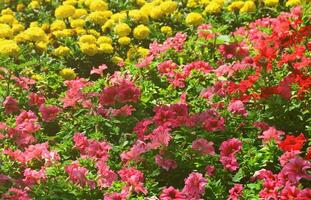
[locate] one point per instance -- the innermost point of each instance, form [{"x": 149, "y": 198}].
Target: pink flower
[
  {"x": 92, "y": 148},
  {"x": 289, "y": 192},
  {"x": 134, "y": 178},
  {"x": 115, "y": 196},
  {"x": 123, "y": 111},
  {"x": 74, "y": 92},
  {"x": 297, "y": 168},
  {"x": 228, "y": 149},
  {"x": 288, "y": 155},
  {"x": 35, "y": 99},
  {"x": 106, "y": 175},
  {"x": 159, "y": 137},
  {"x": 171, "y": 193},
  {"x": 10, "y": 105},
  {"x": 126, "y": 92},
  {"x": 24, "y": 82},
  {"x": 304, "y": 194},
  {"x": 77, "y": 174},
  {"x": 210, "y": 120},
  {"x": 167, "y": 68},
  {"x": 235, "y": 192},
  {"x": 32, "y": 176},
  {"x": 16, "y": 194},
  {"x": 141, "y": 127},
  {"x": 237, "y": 107},
  {"x": 204, "y": 146},
  {"x": 165, "y": 163},
  {"x": 194, "y": 185},
  {"x": 205, "y": 31},
  {"x": 210, "y": 169},
  {"x": 271, "y": 134},
  {"x": 37, "y": 151},
  {"x": 134, "y": 153},
  {"x": 49, "y": 113},
  {"x": 99, "y": 70}
]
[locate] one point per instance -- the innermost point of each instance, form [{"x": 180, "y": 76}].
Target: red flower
[
  {"x": 292, "y": 143},
  {"x": 10, "y": 105}
]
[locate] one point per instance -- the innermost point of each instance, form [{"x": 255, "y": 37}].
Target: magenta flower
[
  {"x": 77, "y": 174},
  {"x": 171, "y": 193},
  {"x": 165, "y": 163},
  {"x": 10, "y": 105},
  {"x": 203, "y": 146},
  {"x": 296, "y": 169},
  {"x": 194, "y": 185},
  {"x": 49, "y": 113},
  {"x": 271, "y": 134},
  {"x": 235, "y": 192}
]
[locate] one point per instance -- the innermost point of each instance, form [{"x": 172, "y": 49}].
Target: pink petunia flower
[
  {"x": 49, "y": 113},
  {"x": 194, "y": 185},
  {"x": 171, "y": 193},
  {"x": 235, "y": 192},
  {"x": 203, "y": 146},
  {"x": 10, "y": 105}
]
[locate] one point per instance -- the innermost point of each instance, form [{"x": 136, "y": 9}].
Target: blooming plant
[{"x": 169, "y": 100}]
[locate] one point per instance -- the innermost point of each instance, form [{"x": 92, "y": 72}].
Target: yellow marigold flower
[
  {"x": 99, "y": 17},
  {"x": 168, "y": 7},
  {"x": 34, "y": 5},
  {"x": 64, "y": 11},
  {"x": 80, "y": 31},
  {"x": 156, "y": 12},
  {"x": 16, "y": 28},
  {"x": 249, "y": 6},
  {"x": 20, "y": 7},
  {"x": 104, "y": 39},
  {"x": 143, "y": 52},
  {"x": 34, "y": 24},
  {"x": 45, "y": 26},
  {"x": 37, "y": 77},
  {"x": 124, "y": 40},
  {"x": 138, "y": 16},
  {"x": 106, "y": 48},
  {"x": 212, "y": 8},
  {"x": 77, "y": 23},
  {"x": 68, "y": 2},
  {"x": 117, "y": 17},
  {"x": 5, "y": 31},
  {"x": 88, "y": 39},
  {"x": 61, "y": 51},
  {"x": 88, "y": 49},
  {"x": 194, "y": 19},
  {"x": 58, "y": 25},
  {"x": 122, "y": 29},
  {"x": 141, "y": 32},
  {"x": 235, "y": 6},
  {"x": 7, "y": 11},
  {"x": 79, "y": 13},
  {"x": 67, "y": 74},
  {"x": 192, "y": 3},
  {"x": 291, "y": 3},
  {"x": 98, "y": 5},
  {"x": 167, "y": 30},
  {"x": 132, "y": 53},
  {"x": 42, "y": 46},
  {"x": 8, "y": 47},
  {"x": 146, "y": 8},
  {"x": 35, "y": 34},
  {"x": 20, "y": 37},
  {"x": 7, "y": 19},
  {"x": 116, "y": 59},
  {"x": 108, "y": 24},
  {"x": 220, "y": 2},
  {"x": 93, "y": 32},
  {"x": 271, "y": 3}
]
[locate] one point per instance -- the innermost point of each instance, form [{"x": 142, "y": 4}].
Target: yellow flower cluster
[{"x": 95, "y": 27}]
